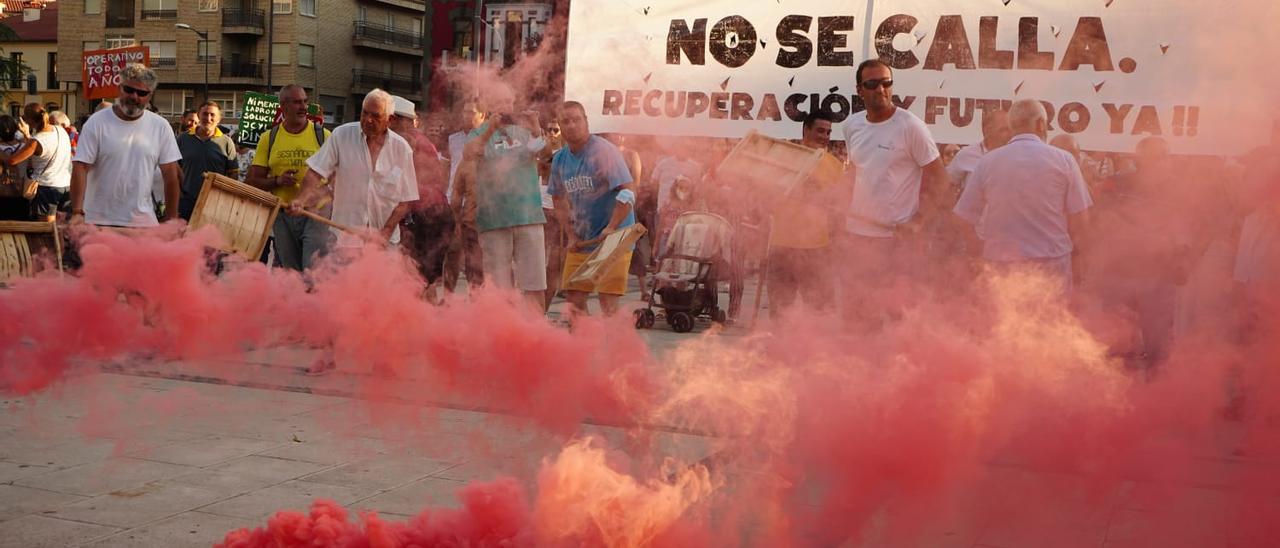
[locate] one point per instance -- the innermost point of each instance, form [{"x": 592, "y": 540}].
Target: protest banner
[
  {"x": 258, "y": 115},
  {"x": 100, "y": 69},
  {"x": 1110, "y": 72},
  {"x": 261, "y": 111}
]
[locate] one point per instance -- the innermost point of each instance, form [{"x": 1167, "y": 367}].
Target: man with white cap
[{"x": 428, "y": 227}]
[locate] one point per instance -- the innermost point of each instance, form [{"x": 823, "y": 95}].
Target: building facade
[
  {"x": 338, "y": 49},
  {"x": 33, "y": 52}
]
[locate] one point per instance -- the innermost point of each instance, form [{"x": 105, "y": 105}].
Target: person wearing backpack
[{"x": 278, "y": 166}]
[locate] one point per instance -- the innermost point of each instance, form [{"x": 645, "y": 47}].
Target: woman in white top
[{"x": 48, "y": 148}]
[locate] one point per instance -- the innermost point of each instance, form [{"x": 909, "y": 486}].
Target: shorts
[
  {"x": 614, "y": 282},
  {"x": 516, "y": 257},
  {"x": 48, "y": 200}
]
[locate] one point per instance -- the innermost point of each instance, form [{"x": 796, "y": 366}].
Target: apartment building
[
  {"x": 339, "y": 49},
  {"x": 33, "y": 50}
]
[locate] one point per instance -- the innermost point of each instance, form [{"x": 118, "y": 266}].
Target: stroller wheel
[
  {"x": 719, "y": 316},
  {"x": 681, "y": 322},
  {"x": 644, "y": 318}
]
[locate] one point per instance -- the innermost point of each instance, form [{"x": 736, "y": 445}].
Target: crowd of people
[{"x": 519, "y": 197}]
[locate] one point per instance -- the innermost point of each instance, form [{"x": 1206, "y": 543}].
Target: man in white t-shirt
[
  {"x": 117, "y": 156},
  {"x": 899, "y": 181}
]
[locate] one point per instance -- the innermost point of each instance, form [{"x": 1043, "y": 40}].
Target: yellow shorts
[{"x": 614, "y": 281}]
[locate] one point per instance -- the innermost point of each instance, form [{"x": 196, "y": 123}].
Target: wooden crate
[
  {"x": 611, "y": 250},
  {"x": 776, "y": 166},
  {"x": 25, "y": 246},
  {"x": 243, "y": 214}
]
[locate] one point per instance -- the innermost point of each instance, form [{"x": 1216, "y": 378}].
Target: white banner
[{"x": 1198, "y": 73}]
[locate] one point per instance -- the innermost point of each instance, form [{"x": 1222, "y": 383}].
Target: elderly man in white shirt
[
  {"x": 372, "y": 170},
  {"x": 1027, "y": 199}
]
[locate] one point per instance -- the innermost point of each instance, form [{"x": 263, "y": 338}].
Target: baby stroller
[{"x": 685, "y": 286}]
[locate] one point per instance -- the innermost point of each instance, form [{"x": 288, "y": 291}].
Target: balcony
[
  {"x": 164, "y": 62},
  {"x": 364, "y": 80},
  {"x": 420, "y": 7},
  {"x": 386, "y": 38},
  {"x": 241, "y": 69},
  {"x": 242, "y": 21},
  {"x": 151, "y": 15}
]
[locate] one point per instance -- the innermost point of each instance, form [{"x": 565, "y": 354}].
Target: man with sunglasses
[
  {"x": 117, "y": 156},
  {"x": 900, "y": 180}
]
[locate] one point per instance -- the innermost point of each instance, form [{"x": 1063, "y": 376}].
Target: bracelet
[{"x": 77, "y": 212}]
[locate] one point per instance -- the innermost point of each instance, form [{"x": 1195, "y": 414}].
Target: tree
[{"x": 9, "y": 70}]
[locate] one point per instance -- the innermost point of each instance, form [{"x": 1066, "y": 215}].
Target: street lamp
[{"x": 205, "y": 37}]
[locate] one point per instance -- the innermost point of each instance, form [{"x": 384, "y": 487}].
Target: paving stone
[
  {"x": 413, "y": 498},
  {"x": 104, "y": 476},
  {"x": 194, "y": 529},
  {"x": 242, "y": 475},
  {"x": 35, "y": 530},
  {"x": 290, "y": 495},
  {"x": 76, "y": 450},
  {"x": 382, "y": 472},
  {"x": 326, "y": 450},
  {"x": 10, "y": 471},
  {"x": 140, "y": 505},
  {"x": 17, "y": 501},
  {"x": 207, "y": 451}
]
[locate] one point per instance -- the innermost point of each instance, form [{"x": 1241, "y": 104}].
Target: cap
[{"x": 404, "y": 107}]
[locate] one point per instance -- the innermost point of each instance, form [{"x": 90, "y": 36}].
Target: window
[
  {"x": 306, "y": 55},
  {"x": 164, "y": 55},
  {"x": 206, "y": 51},
  {"x": 362, "y": 14},
  {"x": 120, "y": 42},
  {"x": 280, "y": 53},
  {"x": 92, "y": 7},
  {"x": 416, "y": 27},
  {"x": 51, "y": 65},
  {"x": 307, "y": 7},
  {"x": 231, "y": 103},
  {"x": 208, "y": 5},
  {"x": 281, "y": 6},
  {"x": 159, "y": 9},
  {"x": 15, "y": 70},
  {"x": 170, "y": 102}
]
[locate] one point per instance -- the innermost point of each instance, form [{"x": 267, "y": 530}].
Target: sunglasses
[
  {"x": 885, "y": 83},
  {"x": 553, "y": 130},
  {"x": 135, "y": 91}
]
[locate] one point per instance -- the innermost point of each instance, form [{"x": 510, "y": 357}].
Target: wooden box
[
  {"x": 25, "y": 247},
  {"x": 611, "y": 250},
  {"x": 775, "y": 167},
  {"x": 243, "y": 214}
]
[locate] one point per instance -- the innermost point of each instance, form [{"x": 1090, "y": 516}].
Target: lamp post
[{"x": 205, "y": 37}]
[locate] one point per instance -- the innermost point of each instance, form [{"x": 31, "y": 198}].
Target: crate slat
[{"x": 243, "y": 214}]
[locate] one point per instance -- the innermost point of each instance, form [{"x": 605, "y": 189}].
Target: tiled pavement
[{"x": 128, "y": 457}]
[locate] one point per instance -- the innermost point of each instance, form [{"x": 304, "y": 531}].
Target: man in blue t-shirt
[{"x": 591, "y": 187}]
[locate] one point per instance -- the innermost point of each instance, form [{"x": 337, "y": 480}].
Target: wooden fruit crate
[
  {"x": 26, "y": 246},
  {"x": 243, "y": 214},
  {"x": 611, "y": 250},
  {"x": 776, "y": 166}
]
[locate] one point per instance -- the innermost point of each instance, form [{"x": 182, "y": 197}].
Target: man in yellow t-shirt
[
  {"x": 799, "y": 249},
  {"x": 278, "y": 166}
]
